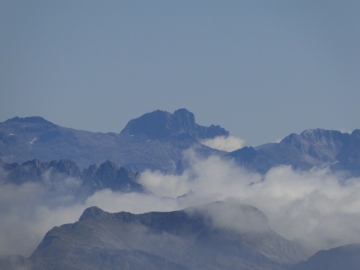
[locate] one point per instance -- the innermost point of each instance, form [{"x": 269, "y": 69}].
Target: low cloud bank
[
  {"x": 313, "y": 207},
  {"x": 228, "y": 144}
]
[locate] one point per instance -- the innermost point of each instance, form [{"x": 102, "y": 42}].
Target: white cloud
[
  {"x": 228, "y": 144},
  {"x": 311, "y": 206}
]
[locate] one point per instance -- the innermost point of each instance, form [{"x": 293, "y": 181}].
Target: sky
[{"x": 260, "y": 69}]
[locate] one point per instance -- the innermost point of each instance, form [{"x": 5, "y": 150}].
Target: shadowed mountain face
[
  {"x": 65, "y": 177},
  {"x": 154, "y": 141},
  {"x": 316, "y": 147},
  {"x": 187, "y": 239}
]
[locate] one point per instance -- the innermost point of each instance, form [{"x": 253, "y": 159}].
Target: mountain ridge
[
  {"x": 23, "y": 139},
  {"x": 51, "y": 175},
  {"x": 186, "y": 238},
  {"x": 312, "y": 147}
]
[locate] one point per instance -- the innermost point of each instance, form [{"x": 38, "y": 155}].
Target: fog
[{"x": 315, "y": 207}]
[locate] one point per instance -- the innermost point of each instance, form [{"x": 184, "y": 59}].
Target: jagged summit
[
  {"x": 162, "y": 124},
  {"x": 56, "y": 175}
]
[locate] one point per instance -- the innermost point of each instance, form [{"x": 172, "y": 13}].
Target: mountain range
[
  {"x": 157, "y": 140},
  {"x": 80, "y": 163},
  {"x": 185, "y": 239},
  {"x": 153, "y": 141},
  {"x": 54, "y": 177},
  {"x": 313, "y": 147}
]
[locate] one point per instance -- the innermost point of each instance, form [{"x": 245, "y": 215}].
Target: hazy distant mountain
[
  {"x": 55, "y": 176},
  {"x": 155, "y": 141},
  {"x": 187, "y": 239},
  {"x": 316, "y": 147}
]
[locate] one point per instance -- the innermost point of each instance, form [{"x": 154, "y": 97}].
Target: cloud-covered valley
[{"x": 317, "y": 208}]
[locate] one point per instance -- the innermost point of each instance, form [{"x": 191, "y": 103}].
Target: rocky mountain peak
[
  {"x": 107, "y": 170},
  {"x": 161, "y": 124}
]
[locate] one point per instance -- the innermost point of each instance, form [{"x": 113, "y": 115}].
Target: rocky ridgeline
[
  {"x": 155, "y": 141},
  {"x": 56, "y": 174}
]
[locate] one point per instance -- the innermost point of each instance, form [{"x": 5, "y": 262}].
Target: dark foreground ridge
[
  {"x": 186, "y": 239},
  {"x": 191, "y": 238}
]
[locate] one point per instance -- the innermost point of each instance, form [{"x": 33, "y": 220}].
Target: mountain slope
[
  {"x": 187, "y": 239},
  {"x": 344, "y": 258}
]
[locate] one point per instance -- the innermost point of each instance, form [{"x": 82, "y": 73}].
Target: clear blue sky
[{"x": 260, "y": 69}]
